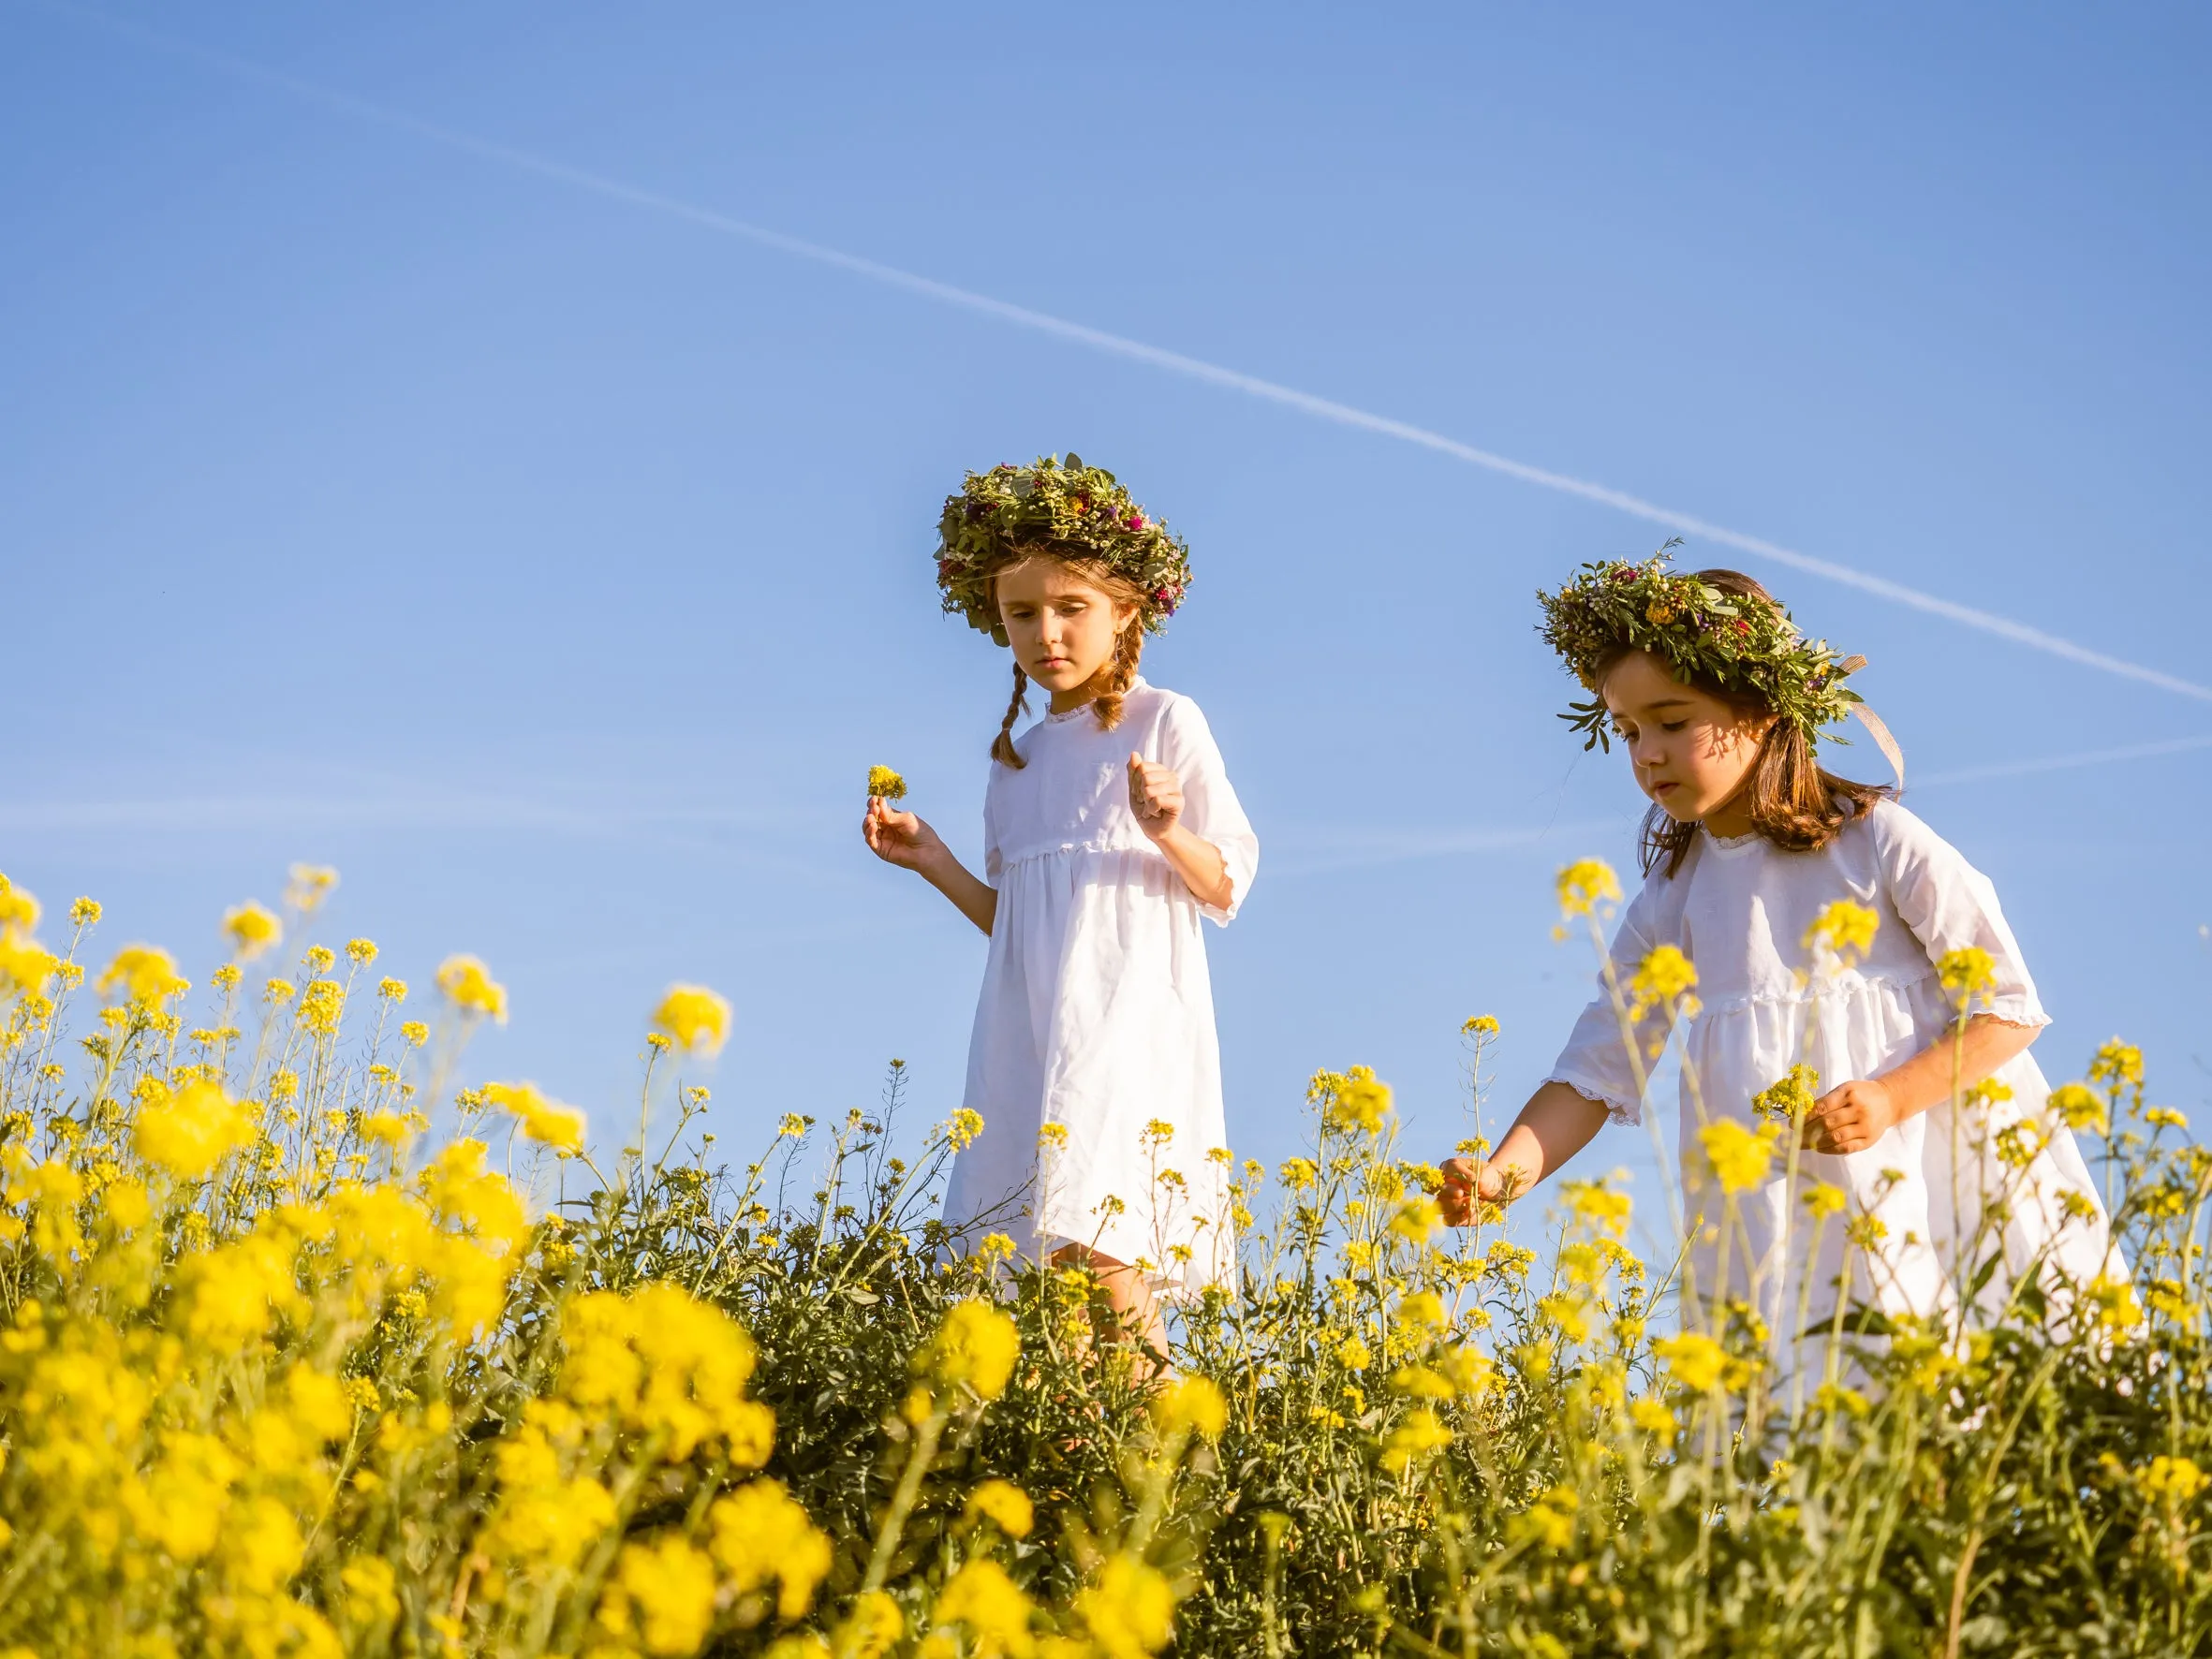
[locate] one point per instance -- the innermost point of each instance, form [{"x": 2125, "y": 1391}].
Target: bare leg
[{"x": 1136, "y": 1309}]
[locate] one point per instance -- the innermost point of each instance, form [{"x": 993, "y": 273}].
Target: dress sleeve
[
  {"x": 1951, "y": 905},
  {"x": 1210, "y": 806},
  {"x": 1596, "y": 1063}
]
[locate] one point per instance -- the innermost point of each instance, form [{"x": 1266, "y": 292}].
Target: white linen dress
[
  {"x": 1739, "y": 909},
  {"x": 1096, "y": 1014}
]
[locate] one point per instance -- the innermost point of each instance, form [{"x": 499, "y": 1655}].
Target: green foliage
[
  {"x": 1698, "y": 632},
  {"x": 1077, "y": 511}
]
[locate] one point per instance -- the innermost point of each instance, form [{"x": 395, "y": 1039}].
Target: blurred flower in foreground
[
  {"x": 1739, "y": 1156},
  {"x": 471, "y": 987},
  {"x": 977, "y": 1344},
  {"x": 146, "y": 974},
  {"x": 311, "y": 884},
  {"x": 1190, "y": 1404},
  {"x": 1844, "y": 930},
  {"x": 190, "y": 1132},
  {"x": 695, "y": 1016},
  {"x": 546, "y": 1121},
  {"x": 1004, "y": 1505},
  {"x": 253, "y": 928},
  {"x": 1585, "y": 884}
]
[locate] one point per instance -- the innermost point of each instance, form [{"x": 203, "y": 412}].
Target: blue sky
[{"x": 555, "y": 563}]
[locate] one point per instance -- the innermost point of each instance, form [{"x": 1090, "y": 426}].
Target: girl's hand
[
  {"x": 1156, "y": 796},
  {"x": 899, "y": 838},
  {"x": 1467, "y": 1184},
  {"x": 1851, "y": 1116}
]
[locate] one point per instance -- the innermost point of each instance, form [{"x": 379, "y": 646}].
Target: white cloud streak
[
  {"x": 1173, "y": 362},
  {"x": 2020, "y": 769}
]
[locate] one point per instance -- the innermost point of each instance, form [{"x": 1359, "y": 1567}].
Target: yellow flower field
[{"x": 285, "y": 1372}]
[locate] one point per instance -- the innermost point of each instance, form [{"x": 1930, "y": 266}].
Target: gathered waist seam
[
  {"x": 1808, "y": 996},
  {"x": 1145, "y": 850}
]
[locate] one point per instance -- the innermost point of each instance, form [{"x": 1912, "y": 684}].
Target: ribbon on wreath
[{"x": 1876, "y": 727}]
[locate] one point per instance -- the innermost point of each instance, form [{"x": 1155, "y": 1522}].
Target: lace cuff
[
  {"x": 2013, "y": 1008},
  {"x": 1619, "y": 1111}
]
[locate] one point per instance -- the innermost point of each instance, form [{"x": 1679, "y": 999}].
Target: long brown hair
[
  {"x": 1112, "y": 682},
  {"x": 1795, "y": 801}
]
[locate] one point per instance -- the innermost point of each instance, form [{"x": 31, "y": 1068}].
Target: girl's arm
[
  {"x": 1852, "y": 1116},
  {"x": 1558, "y": 1122},
  {"x": 903, "y": 838},
  {"x": 1156, "y": 796}
]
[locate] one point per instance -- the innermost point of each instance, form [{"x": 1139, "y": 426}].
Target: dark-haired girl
[{"x": 1828, "y": 929}]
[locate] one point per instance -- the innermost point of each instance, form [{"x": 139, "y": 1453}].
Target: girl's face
[
  {"x": 1061, "y": 626},
  {"x": 1691, "y": 751}
]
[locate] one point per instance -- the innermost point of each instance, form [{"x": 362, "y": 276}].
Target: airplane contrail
[{"x": 1173, "y": 362}]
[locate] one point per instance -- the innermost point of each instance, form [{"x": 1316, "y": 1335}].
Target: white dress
[
  {"x": 1739, "y": 909},
  {"x": 1096, "y": 1014}
]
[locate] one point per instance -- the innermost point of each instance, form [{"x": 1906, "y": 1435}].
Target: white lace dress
[
  {"x": 1740, "y": 910},
  {"x": 1097, "y": 1013}
]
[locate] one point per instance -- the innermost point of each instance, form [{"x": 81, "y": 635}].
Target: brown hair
[
  {"x": 1112, "y": 682},
  {"x": 1795, "y": 802}
]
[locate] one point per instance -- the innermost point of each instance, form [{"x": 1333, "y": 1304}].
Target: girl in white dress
[
  {"x": 1110, "y": 829},
  {"x": 1939, "y": 1138}
]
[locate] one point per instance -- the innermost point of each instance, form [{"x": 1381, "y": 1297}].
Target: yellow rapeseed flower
[
  {"x": 322, "y": 1006},
  {"x": 1790, "y": 1098},
  {"x": 1822, "y": 1198},
  {"x": 19, "y": 910},
  {"x": 190, "y": 1132},
  {"x": 1662, "y": 979},
  {"x": 976, "y": 1345},
  {"x": 661, "y": 1597},
  {"x": 1696, "y": 1362},
  {"x": 1004, "y": 1505},
  {"x": 146, "y": 974},
  {"x": 1739, "y": 1158},
  {"x": 311, "y": 884},
  {"x": 471, "y": 988},
  {"x": 698, "y": 1019},
  {"x": 1585, "y": 884},
  {"x": 1418, "y": 1436},
  {"x": 2171, "y": 1482},
  {"x": 1191, "y": 1405},
  {"x": 2081, "y": 1108},
  {"x": 546, "y": 1121},
  {"x": 1356, "y": 1102},
  {"x": 871, "y": 1629},
  {"x": 2116, "y": 1062},
  {"x": 1130, "y": 1611},
  {"x": 1966, "y": 973},
  {"x": 886, "y": 785},
  {"x": 761, "y": 1537},
  {"x": 1844, "y": 930},
  {"x": 981, "y": 1596},
  {"x": 1597, "y": 1204},
  {"x": 253, "y": 928}
]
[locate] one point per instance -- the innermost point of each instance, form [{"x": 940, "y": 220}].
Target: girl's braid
[
  {"x": 1115, "y": 680},
  {"x": 1002, "y": 746}
]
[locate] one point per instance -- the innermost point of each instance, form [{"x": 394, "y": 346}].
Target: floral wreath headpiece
[
  {"x": 1697, "y": 629},
  {"x": 1060, "y": 504}
]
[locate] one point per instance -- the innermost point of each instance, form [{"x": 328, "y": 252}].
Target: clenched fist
[{"x": 1156, "y": 796}]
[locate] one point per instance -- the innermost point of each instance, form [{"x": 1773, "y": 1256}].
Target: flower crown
[
  {"x": 1060, "y": 504},
  {"x": 1696, "y": 629}
]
